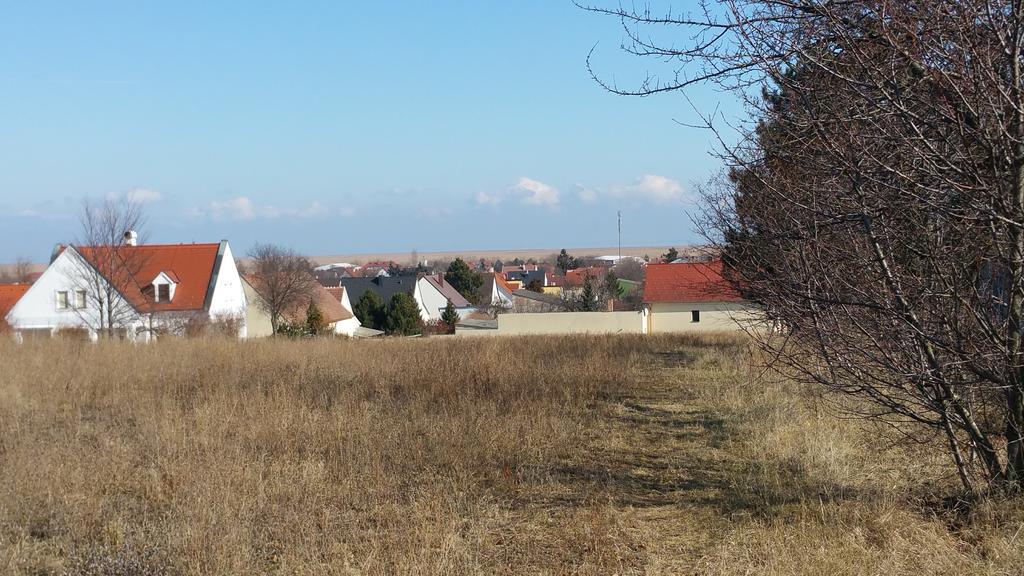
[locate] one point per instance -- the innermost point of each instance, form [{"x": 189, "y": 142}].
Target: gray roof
[
  {"x": 364, "y": 332},
  {"x": 383, "y": 286},
  {"x": 546, "y": 298},
  {"x": 527, "y": 277},
  {"x": 473, "y": 324}
]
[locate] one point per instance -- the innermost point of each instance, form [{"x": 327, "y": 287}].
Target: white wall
[
  {"x": 564, "y": 323},
  {"x": 228, "y": 299},
  {"x": 347, "y": 327},
  {"x": 257, "y": 320},
  {"x": 431, "y": 301},
  {"x": 499, "y": 297},
  {"x": 37, "y": 308},
  {"x": 714, "y": 316}
]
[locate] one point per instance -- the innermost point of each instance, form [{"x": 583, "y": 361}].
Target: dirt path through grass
[{"x": 659, "y": 458}]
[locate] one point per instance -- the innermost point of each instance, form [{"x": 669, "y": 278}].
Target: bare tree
[
  {"x": 20, "y": 272},
  {"x": 629, "y": 269},
  {"x": 106, "y": 265},
  {"x": 875, "y": 203},
  {"x": 283, "y": 279}
]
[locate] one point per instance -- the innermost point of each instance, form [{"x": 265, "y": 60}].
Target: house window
[
  {"x": 79, "y": 299},
  {"x": 163, "y": 292},
  {"x": 694, "y": 315},
  {"x": 62, "y": 300}
]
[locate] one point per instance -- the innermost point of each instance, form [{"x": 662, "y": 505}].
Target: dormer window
[{"x": 163, "y": 287}]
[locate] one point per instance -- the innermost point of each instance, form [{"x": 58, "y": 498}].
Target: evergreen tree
[
  {"x": 403, "y": 315},
  {"x": 315, "y": 324},
  {"x": 565, "y": 262},
  {"x": 450, "y": 317},
  {"x": 466, "y": 281},
  {"x": 612, "y": 286},
  {"x": 588, "y": 297},
  {"x": 671, "y": 255},
  {"x": 370, "y": 310}
]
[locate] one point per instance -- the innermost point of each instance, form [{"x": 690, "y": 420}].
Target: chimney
[{"x": 131, "y": 238}]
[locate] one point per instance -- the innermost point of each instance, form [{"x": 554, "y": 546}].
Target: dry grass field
[{"x": 582, "y": 455}]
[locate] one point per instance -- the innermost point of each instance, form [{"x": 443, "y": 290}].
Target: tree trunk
[{"x": 1015, "y": 439}]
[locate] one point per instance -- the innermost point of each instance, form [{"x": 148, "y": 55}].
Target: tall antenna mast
[{"x": 620, "y": 235}]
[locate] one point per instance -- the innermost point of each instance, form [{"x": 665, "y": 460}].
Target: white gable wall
[
  {"x": 500, "y": 297},
  {"x": 348, "y": 326},
  {"x": 37, "y": 309},
  {"x": 228, "y": 299},
  {"x": 432, "y": 302}
]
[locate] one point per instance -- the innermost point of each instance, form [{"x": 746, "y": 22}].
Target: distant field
[
  {"x": 507, "y": 255},
  {"x": 504, "y": 255},
  {"x": 574, "y": 455}
]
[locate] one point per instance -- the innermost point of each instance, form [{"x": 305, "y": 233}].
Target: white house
[
  {"x": 351, "y": 325},
  {"x": 693, "y": 297},
  {"x": 433, "y": 293},
  {"x": 152, "y": 287},
  {"x": 337, "y": 316},
  {"x": 496, "y": 291}
]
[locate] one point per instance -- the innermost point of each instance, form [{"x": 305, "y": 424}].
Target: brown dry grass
[{"x": 591, "y": 455}]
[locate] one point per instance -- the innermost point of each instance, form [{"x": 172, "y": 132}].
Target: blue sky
[{"x": 339, "y": 127}]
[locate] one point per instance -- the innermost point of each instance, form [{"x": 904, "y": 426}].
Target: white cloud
[
  {"x": 586, "y": 195},
  {"x": 238, "y": 208},
  {"x": 651, "y": 187},
  {"x": 143, "y": 196},
  {"x": 525, "y": 190},
  {"x": 485, "y": 199},
  {"x": 536, "y": 192},
  {"x": 242, "y": 208}
]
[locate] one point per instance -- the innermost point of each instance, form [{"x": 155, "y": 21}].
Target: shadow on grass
[{"x": 677, "y": 453}]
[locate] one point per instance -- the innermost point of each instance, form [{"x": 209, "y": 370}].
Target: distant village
[{"x": 137, "y": 291}]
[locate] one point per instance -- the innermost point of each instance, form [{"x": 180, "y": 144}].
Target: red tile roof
[
  {"x": 336, "y": 291},
  {"x": 9, "y": 296},
  {"x": 500, "y": 279},
  {"x": 688, "y": 282},
  {"x": 578, "y": 276},
  {"x": 190, "y": 264}
]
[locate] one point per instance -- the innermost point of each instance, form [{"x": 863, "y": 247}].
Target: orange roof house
[
  {"x": 9, "y": 296},
  {"x": 579, "y": 276},
  {"x": 688, "y": 282},
  {"x": 133, "y": 291},
  {"x": 496, "y": 291},
  {"x": 693, "y": 296},
  {"x": 189, "y": 266}
]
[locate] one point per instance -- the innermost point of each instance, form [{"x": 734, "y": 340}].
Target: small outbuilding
[{"x": 692, "y": 297}]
